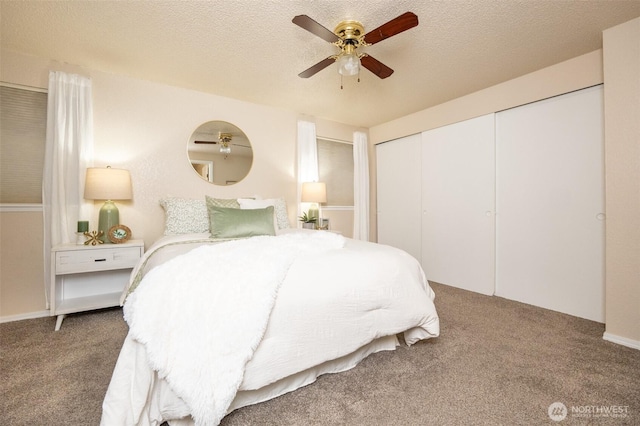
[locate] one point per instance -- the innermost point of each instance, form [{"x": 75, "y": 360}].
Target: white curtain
[
  {"x": 360, "y": 187},
  {"x": 307, "y": 157},
  {"x": 68, "y": 153}
]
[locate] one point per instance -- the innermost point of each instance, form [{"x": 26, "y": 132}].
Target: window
[
  {"x": 23, "y": 127},
  {"x": 335, "y": 168}
]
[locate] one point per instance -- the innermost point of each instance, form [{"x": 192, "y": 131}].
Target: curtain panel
[
  {"x": 68, "y": 153},
  {"x": 360, "y": 187},
  {"x": 307, "y": 158}
]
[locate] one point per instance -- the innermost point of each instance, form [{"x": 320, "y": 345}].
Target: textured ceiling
[{"x": 250, "y": 50}]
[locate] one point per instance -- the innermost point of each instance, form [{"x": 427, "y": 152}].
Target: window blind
[
  {"x": 335, "y": 168},
  {"x": 23, "y": 126}
]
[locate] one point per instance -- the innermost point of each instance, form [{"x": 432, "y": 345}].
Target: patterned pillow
[
  {"x": 281, "y": 213},
  {"x": 185, "y": 216},
  {"x": 230, "y": 203}
]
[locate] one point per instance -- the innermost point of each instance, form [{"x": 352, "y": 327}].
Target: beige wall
[
  {"x": 622, "y": 165},
  {"x": 577, "y": 73},
  {"x": 144, "y": 127},
  {"x": 21, "y": 264}
]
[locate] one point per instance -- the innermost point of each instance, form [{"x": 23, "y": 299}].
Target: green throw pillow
[
  {"x": 231, "y": 203},
  {"x": 236, "y": 223}
]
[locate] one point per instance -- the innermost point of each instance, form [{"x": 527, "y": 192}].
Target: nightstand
[{"x": 84, "y": 278}]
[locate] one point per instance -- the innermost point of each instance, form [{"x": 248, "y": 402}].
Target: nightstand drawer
[{"x": 96, "y": 260}]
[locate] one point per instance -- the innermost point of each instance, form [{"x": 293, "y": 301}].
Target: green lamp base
[
  {"x": 313, "y": 211},
  {"x": 109, "y": 216}
]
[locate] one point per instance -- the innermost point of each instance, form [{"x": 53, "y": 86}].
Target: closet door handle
[{"x": 601, "y": 216}]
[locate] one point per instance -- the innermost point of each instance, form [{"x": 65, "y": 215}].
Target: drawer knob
[{"x": 100, "y": 260}]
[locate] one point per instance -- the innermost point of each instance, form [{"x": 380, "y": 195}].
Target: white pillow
[{"x": 281, "y": 218}]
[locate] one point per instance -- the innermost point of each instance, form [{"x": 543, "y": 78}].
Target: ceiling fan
[
  {"x": 224, "y": 140},
  {"x": 348, "y": 36}
]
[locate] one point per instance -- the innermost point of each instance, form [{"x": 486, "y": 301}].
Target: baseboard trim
[
  {"x": 20, "y": 317},
  {"x": 634, "y": 344}
]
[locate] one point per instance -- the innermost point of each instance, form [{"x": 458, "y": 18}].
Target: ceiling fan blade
[
  {"x": 317, "y": 67},
  {"x": 375, "y": 66},
  {"x": 395, "y": 26},
  {"x": 313, "y": 27},
  {"x": 207, "y": 142}
]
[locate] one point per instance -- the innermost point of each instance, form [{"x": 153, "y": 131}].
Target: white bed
[{"x": 333, "y": 308}]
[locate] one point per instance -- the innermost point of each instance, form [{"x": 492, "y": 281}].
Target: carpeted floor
[{"x": 497, "y": 362}]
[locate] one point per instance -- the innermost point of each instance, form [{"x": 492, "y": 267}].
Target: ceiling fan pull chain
[{"x": 341, "y": 77}]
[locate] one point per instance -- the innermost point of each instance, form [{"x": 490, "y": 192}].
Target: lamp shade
[
  {"x": 314, "y": 192},
  {"x": 107, "y": 184}
]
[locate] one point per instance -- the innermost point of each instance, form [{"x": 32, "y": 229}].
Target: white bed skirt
[{"x": 153, "y": 401}]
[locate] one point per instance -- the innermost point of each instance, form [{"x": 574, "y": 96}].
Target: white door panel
[
  {"x": 398, "y": 186},
  {"x": 550, "y": 204},
  {"x": 458, "y": 183}
]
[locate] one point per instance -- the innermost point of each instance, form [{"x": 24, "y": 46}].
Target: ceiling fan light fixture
[
  {"x": 225, "y": 149},
  {"x": 349, "y": 65},
  {"x": 225, "y": 139},
  {"x": 348, "y": 61}
]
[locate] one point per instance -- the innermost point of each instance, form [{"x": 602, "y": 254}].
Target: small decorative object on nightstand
[
  {"x": 93, "y": 238},
  {"x": 88, "y": 277},
  {"x": 119, "y": 234},
  {"x": 323, "y": 225},
  {"x": 308, "y": 222},
  {"x": 83, "y": 226}
]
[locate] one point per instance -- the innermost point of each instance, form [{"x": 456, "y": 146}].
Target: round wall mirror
[{"x": 220, "y": 153}]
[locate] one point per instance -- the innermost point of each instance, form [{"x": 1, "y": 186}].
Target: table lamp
[
  {"x": 316, "y": 193},
  {"x": 107, "y": 184}
]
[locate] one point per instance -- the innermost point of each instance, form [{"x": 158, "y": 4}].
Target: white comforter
[{"x": 331, "y": 302}]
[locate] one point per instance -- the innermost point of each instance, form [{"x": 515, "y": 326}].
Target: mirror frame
[{"x": 207, "y": 138}]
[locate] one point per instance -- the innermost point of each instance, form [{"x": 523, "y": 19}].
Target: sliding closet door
[
  {"x": 398, "y": 177},
  {"x": 458, "y": 194},
  {"x": 550, "y": 204}
]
